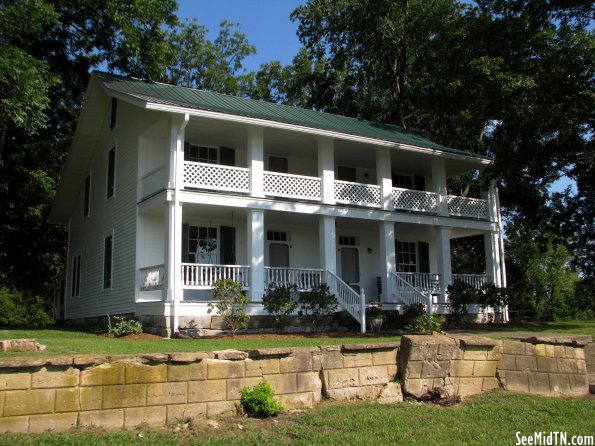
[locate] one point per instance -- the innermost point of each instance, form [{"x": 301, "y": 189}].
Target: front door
[
  {"x": 350, "y": 267},
  {"x": 279, "y": 255}
]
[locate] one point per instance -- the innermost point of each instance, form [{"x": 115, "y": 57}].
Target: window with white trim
[
  {"x": 348, "y": 240},
  {"x": 278, "y": 236},
  {"x": 107, "y": 261},
  {"x": 76, "y": 276},
  {"x": 402, "y": 181},
  {"x": 202, "y": 244},
  {"x": 406, "y": 257}
]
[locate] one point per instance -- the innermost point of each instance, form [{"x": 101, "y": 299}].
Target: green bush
[
  {"x": 22, "y": 309},
  {"x": 122, "y": 326},
  {"x": 259, "y": 401},
  {"x": 425, "y": 324},
  {"x": 412, "y": 311},
  {"x": 231, "y": 304},
  {"x": 278, "y": 302},
  {"x": 460, "y": 295},
  {"x": 317, "y": 303}
]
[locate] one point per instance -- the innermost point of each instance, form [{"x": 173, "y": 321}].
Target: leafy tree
[
  {"x": 230, "y": 304},
  {"x": 317, "y": 303},
  {"x": 278, "y": 301}
]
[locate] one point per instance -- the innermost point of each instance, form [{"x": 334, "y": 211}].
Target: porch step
[{"x": 590, "y": 360}]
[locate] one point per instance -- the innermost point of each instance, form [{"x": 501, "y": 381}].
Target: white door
[
  {"x": 350, "y": 267},
  {"x": 279, "y": 255}
]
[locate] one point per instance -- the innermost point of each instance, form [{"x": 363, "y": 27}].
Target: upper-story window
[
  {"x": 346, "y": 173},
  {"x": 402, "y": 181},
  {"x": 111, "y": 173},
  {"x": 107, "y": 261},
  {"x": 209, "y": 154},
  {"x": 76, "y": 276},
  {"x": 87, "y": 198},
  {"x": 114, "y": 113},
  {"x": 278, "y": 164}
]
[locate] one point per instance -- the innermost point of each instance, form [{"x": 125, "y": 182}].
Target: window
[
  {"x": 406, "y": 257},
  {"x": 402, "y": 181},
  {"x": 107, "y": 262},
  {"x": 278, "y": 164},
  {"x": 111, "y": 173},
  {"x": 200, "y": 154},
  {"x": 86, "y": 203},
  {"x": 114, "y": 113},
  {"x": 348, "y": 240},
  {"x": 277, "y": 236},
  {"x": 345, "y": 173},
  {"x": 76, "y": 276},
  {"x": 202, "y": 244}
]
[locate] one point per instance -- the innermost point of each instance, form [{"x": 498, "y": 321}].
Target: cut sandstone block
[
  {"x": 154, "y": 416},
  {"x": 109, "y": 419},
  {"x": 182, "y": 412},
  {"x": 57, "y": 422}
]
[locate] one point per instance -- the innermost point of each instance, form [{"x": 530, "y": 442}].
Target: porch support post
[
  {"x": 439, "y": 185},
  {"x": 256, "y": 161},
  {"x": 384, "y": 178},
  {"x": 255, "y": 237},
  {"x": 326, "y": 169},
  {"x": 490, "y": 196},
  {"x": 174, "y": 217},
  {"x": 328, "y": 243},
  {"x": 443, "y": 260},
  {"x": 491, "y": 241},
  {"x": 387, "y": 261}
]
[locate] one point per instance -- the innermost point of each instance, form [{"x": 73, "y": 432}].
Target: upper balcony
[{"x": 206, "y": 176}]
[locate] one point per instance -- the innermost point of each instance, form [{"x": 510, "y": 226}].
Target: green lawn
[
  {"x": 67, "y": 342},
  {"x": 488, "y": 419},
  {"x": 61, "y": 341}
]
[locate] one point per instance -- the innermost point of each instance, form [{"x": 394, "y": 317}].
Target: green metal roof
[{"x": 233, "y": 105}]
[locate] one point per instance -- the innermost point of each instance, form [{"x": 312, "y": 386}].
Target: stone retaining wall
[{"x": 37, "y": 394}]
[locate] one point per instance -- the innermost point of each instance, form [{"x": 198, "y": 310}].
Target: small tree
[
  {"x": 230, "y": 304},
  {"x": 318, "y": 303},
  {"x": 493, "y": 296},
  {"x": 460, "y": 295},
  {"x": 278, "y": 302}
]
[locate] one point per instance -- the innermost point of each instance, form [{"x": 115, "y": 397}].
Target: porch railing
[
  {"x": 354, "y": 303},
  {"x": 476, "y": 280},
  {"x": 410, "y": 294},
  {"x": 152, "y": 277},
  {"x": 425, "y": 282},
  {"x": 197, "y": 275},
  {"x": 468, "y": 207},
  {"x": 359, "y": 194},
  {"x": 292, "y": 186},
  {"x": 414, "y": 200},
  {"x": 303, "y": 278},
  {"x": 216, "y": 177}
]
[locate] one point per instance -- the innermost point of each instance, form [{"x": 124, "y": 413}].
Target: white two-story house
[{"x": 167, "y": 189}]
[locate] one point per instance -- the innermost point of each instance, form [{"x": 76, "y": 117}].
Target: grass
[
  {"x": 68, "y": 342},
  {"x": 60, "y": 341},
  {"x": 487, "y": 419}
]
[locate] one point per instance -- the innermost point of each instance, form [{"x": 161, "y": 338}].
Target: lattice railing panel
[
  {"x": 467, "y": 207},
  {"x": 357, "y": 193},
  {"x": 292, "y": 186},
  {"x": 213, "y": 176},
  {"x": 152, "y": 277},
  {"x": 414, "y": 200}
]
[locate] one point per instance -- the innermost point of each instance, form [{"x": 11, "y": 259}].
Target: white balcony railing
[
  {"x": 216, "y": 177},
  {"x": 152, "y": 277},
  {"x": 303, "y": 278},
  {"x": 476, "y": 280},
  {"x": 414, "y": 200},
  {"x": 358, "y": 194},
  {"x": 197, "y": 275},
  {"x": 292, "y": 186},
  {"x": 468, "y": 207}
]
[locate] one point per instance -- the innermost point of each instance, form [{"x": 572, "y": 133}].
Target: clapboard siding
[{"x": 116, "y": 215}]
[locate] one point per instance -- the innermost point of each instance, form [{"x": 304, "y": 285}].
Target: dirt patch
[
  {"x": 144, "y": 336},
  {"x": 325, "y": 335}
]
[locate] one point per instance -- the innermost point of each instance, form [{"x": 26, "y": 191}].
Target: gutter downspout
[{"x": 176, "y": 251}]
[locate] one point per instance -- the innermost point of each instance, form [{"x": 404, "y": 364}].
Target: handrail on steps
[
  {"x": 425, "y": 298},
  {"x": 354, "y": 303}
]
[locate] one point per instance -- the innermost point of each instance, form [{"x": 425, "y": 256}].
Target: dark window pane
[{"x": 193, "y": 231}]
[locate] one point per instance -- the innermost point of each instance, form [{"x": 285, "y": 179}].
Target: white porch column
[
  {"x": 256, "y": 161},
  {"x": 255, "y": 237},
  {"x": 384, "y": 178},
  {"x": 326, "y": 169},
  {"x": 387, "y": 261},
  {"x": 328, "y": 243},
  {"x": 439, "y": 185},
  {"x": 490, "y": 196},
  {"x": 491, "y": 241},
  {"x": 443, "y": 260}
]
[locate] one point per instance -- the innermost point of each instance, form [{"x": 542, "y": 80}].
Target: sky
[{"x": 266, "y": 24}]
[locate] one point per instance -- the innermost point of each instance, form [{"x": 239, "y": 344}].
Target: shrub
[
  {"x": 493, "y": 296},
  {"x": 317, "y": 303},
  {"x": 278, "y": 302},
  {"x": 259, "y": 401},
  {"x": 230, "y": 304},
  {"x": 123, "y": 326},
  {"x": 460, "y": 295},
  {"x": 412, "y": 311},
  {"x": 425, "y": 324},
  {"x": 21, "y": 309}
]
